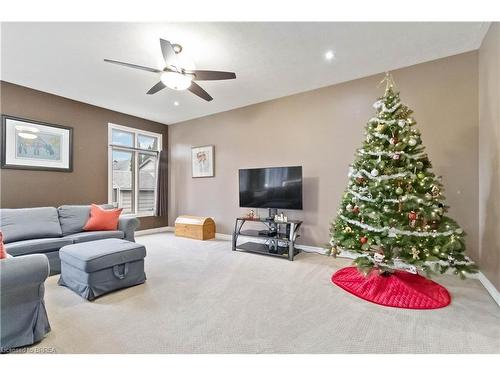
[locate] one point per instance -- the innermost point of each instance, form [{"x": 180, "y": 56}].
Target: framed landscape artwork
[
  {"x": 28, "y": 144},
  {"x": 202, "y": 161}
]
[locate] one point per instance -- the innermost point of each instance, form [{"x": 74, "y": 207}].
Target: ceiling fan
[{"x": 174, "y": 76}]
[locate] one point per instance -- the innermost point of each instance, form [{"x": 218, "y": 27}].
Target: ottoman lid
[{"x": 96, "y": 255}]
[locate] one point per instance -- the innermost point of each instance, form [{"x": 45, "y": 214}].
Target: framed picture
[
  {"x": 28, "y": 144},
  {"x": 202, "y": 161}
]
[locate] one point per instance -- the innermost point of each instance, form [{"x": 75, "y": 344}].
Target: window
[{"x": 133, "y": 169}]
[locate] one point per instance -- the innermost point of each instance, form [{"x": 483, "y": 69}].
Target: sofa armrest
[
  {"x": 23, "y": 270},
  {"x": 128, "y": 225}
]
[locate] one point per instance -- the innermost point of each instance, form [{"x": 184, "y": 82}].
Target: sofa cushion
[
  {"x": 3, "y": 254},
  {"x": 29, "y": 223},
  {"x": 39, "y": 245},
  {"x": 74, "y": 217},
  {"x": 97, "y": 255},
  {"x": 102, "y": 219},
  {"x": 93, "y": 236}
]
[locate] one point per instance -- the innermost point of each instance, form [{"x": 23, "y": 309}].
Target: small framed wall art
[
  {"x": 203, "y": 161},
  {"x": 35, "y": 145}
]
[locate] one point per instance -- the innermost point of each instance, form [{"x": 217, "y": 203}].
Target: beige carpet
[{"x": 200, "y": 297}]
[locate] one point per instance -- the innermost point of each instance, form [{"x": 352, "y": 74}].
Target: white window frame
[{"x": 136, "y": 152}]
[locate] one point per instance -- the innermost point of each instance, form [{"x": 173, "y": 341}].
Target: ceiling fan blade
[
  {"x": 133, "y": 66},
  {"x": 159, "y": 86},
  {"x": 197, "y": 90},
  {"x": 211, "y": 75},
  {"x": 168, "y": 52}
]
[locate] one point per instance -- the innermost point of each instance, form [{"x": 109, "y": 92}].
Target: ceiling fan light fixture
[
  {"x": 177, "y": 48},
  {"x": 176, "y": 81}
]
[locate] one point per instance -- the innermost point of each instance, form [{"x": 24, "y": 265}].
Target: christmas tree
[{"x": 392, "y": 213}]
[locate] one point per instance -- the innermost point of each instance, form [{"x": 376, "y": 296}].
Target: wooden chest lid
[{"x": 194, "y": 220}]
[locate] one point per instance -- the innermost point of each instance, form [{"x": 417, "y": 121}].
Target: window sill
[{"x": 141, "y": 214}]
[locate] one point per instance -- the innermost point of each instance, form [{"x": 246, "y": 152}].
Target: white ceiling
[{"x": 271, "y": 60}]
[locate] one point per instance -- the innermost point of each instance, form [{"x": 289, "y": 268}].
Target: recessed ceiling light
[
  {"x": 176, "y": 103},
  {"x": 329, "y": 55}
]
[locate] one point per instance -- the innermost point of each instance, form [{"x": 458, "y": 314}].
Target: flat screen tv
[{"x": 277, "y": 187}]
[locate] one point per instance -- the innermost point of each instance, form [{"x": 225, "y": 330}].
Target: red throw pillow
[
  {"x": 101, "y": 219},
  {"x": 3, "y": 253}
]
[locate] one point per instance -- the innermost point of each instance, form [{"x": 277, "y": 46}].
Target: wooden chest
[{"x": 196, "y": 227}]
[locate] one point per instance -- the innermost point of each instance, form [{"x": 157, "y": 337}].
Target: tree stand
[{"x": 399, "y": 289}]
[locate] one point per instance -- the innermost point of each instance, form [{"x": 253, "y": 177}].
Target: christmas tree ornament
[
  {"x": 355, "y": 210},
  {"x": 399, "y": 190},
  {"x": 415, "y": 253},
  {"x": 401, "y": 123},
  {"x": 348, "y": 208},
  {"x": 374, "y": 172},
  {"x": 419, "y": 165},
  {"x": 412, "y": 142},
  {"x": 434, "y": 224},
  {"x": 421, "y": 175},
  {"x": 363, "y": 240},
  {"x": 393, "y": 140},
  {"x": 435, "y": 191},
  {"x": 396, "y": 156},
  {"x": 412, "y": 215},
  {"x": 380, "y": 128}
]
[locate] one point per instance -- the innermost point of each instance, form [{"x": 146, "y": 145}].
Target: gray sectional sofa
[
  {"x": 23, "y": 318},
  {"x": 44, "y": 230}
]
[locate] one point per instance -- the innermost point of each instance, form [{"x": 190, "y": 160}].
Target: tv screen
[{"x": 278, "y": 187}]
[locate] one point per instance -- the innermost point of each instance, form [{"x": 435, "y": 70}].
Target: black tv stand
[
  {"x": 277, "y": 240},
  {"x": 268, "y": 233}
]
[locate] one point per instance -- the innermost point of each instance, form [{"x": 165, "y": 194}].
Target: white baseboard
[
  {"x": 222, "y": 236},
  {"x": 490, "y": 288},
  {"x": 153, "y": 230}
]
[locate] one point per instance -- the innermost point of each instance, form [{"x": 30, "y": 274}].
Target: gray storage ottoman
[{"x": 97, "y": 267}]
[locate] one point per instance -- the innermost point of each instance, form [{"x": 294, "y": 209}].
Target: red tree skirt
[{"x": 401, "y": 289}]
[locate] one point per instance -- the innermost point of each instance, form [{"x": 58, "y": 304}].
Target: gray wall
[
  {"x": 489, "y": 157},
  {"x": 320, "y": 130},
  {"x": 89, "y": 180}
]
